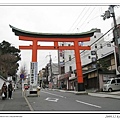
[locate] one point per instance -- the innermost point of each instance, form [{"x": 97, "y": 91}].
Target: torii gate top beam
[{"x": 50, "y": 37}]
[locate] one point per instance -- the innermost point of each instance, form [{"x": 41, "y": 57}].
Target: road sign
[{"x": 22, "y": 76}]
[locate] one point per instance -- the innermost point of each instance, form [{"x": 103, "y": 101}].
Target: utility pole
[
  {"x": 47, "y": 74},
  {"x": 97, "y": 68},
  {"x": 49, "y": 65},
  {"x": 50, "y": 69},
  {"x": 59, "y": 67},
  {"x": 116, "y": 33}
]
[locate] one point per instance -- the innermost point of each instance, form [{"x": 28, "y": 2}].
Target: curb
[
  {"x": 74, "y": 92},
  {"x": 81, "y": 93},
  {"x": 104, "y": 95},
  {"x": 28, "y": 104},
  {"x": 91, "y": 94}
]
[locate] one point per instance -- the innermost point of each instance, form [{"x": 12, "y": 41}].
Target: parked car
[{"x": 112, "y": 84}]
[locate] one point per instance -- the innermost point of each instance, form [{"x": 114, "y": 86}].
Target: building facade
[
  {"x": 53, "y": 74},
  {"x": 102, "y": 51}
]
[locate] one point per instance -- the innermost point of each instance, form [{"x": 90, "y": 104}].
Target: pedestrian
[
  {"x": 14, "y": 87},
  {"x": 38, "y": 91},
  {"x": 4, "y": 91},
  {"x": 10, "y": 90}
]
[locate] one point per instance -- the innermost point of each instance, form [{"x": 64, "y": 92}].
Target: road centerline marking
[{"x": 88, "y": 104}]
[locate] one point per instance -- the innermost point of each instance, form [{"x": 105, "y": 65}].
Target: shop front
[
  {"x": 72, "y": 82},
  {"x": 63, "y": 81}
]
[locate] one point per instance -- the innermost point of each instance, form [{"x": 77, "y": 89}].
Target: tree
[
  {"x": 9, "y": 56},
  {"x": 23, "y": 71}
]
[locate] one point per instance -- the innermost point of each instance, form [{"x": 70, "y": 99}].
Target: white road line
[
  {"x": 88, "y": 104},
  {"x": 52, "y": 99},
  {"x": 29, "y": 104},
  {"x": 53, "y": 94}
]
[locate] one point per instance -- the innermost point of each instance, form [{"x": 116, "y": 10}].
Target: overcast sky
[{"x": 49, "y": 19}]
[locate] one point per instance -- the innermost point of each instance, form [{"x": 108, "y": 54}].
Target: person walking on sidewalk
[
  {"x": 10, "y": 90},
  {"x": 4, "y": 91}
]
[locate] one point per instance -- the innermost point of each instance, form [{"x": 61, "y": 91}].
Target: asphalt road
[{"x": 50, "y": 100}]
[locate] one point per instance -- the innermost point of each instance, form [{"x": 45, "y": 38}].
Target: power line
[
  {"x": 77, "y": 18},
  {"x": 102, "y": 36},
  {"x": 85, "y": 24},
  {"x": 90, "y": 16},
  {"x": 81, "y": 18},
  {"x": 103, "y": 45},
  {"x": 87, "y": 17},
  {"x": 94, "y": 42}
]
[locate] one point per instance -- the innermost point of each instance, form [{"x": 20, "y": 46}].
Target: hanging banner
[{"x": 33, "y": 73}]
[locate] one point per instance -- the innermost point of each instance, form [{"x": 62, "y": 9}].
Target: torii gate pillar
[{"x": 78, "y": 67}]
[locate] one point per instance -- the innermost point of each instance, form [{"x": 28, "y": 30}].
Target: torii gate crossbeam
[{"x": 50, "y": 37}]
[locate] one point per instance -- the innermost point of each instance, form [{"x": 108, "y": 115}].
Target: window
[
  {"x": 108, "y": 45},
  {"x": 108, "y": 62},
  {"x": 69, "y": 57},
  {"x": 118, "y": 80},
  {"x": 113, "y": 81},
  {"x": 68, "y": 44},
  {"x": 88, "y": 57},
  {"x": 93, "y": 52},
  {"x": 95, "y": 45},
  {"x": 60, "y": 54},
  {"x": 70, "y": 68},
  {"x": 94, "y": 59},
  {"x": 101, "y": 46},
  {"x": 63, "y": 56},
  {"x": 62, "y": 70}
]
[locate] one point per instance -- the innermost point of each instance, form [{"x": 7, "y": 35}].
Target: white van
[{"x": 112, "y": 84}]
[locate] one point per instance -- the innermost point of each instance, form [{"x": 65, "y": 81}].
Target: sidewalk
[
  {"x": 115, "y": 94},
  {"x": 18, "y": 103}
]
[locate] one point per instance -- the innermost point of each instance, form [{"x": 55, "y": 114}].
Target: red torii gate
[{"x": 50, "y": 37}]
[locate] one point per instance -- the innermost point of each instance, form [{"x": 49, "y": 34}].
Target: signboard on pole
[{"x": 33, "y": 73}]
